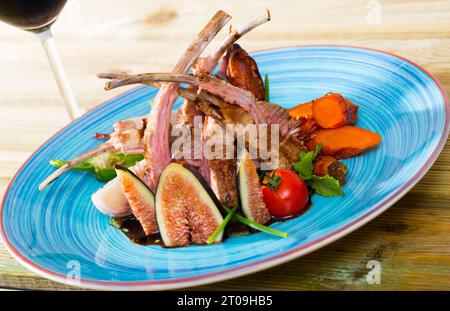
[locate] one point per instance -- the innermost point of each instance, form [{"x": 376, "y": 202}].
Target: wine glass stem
[{"x": 48, "y": 43}]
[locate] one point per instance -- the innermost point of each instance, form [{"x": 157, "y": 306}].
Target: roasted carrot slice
[
  {"x": 333, "y": 111},
  {"x": 302, "y": 111},
  {"x": 344, "y": 142},
  {"x": 328, "y": 165}
]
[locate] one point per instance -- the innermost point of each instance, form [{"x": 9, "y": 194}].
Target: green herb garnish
[
  {"x": 83, "y": 166},
  {"x": 103, "y": 165},
  {"x": 266, "y": 88},
  {"x": 305, "y": 166},
  {"x": 257, "y": 226},
  {"x": 326, "y": 186},
  {"x": 222, "y": 226}
]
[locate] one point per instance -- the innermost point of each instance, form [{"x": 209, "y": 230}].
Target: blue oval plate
[{"x": 58, "y": 234}]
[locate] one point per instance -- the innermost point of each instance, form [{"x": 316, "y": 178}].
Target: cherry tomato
[{"x": 285, "y": 193}]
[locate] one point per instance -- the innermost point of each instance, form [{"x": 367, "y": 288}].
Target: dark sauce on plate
[{"x": 132, "y": 229}]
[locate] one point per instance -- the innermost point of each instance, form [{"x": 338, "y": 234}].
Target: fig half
[
  {"x": 250, "y": 193},
  {"x": 140, "y": 198},
  {"x": 186, "y": 208}
]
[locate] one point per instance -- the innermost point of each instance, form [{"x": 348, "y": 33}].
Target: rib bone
[
  {"x": 83, "y": 157},
  {"x": 224, "y": 90},
  {"x": 189, "y": 94},
  {"x": 156, "y": 137},
  {"x": 125, "y": 138},
  {"x": 207, "y": 65}
]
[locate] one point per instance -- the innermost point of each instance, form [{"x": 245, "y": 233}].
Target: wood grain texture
[{"x": 411, "y": 240}]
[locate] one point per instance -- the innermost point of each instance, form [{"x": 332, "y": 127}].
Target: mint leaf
[
  {"x": 326, "y": 186},
  {"x": 305, "y": 166}
]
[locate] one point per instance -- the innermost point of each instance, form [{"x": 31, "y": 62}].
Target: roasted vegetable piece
[
  {"x": 344, "y": 142},
  {"x": 333, "y": 111},
  {"x": 328, "y": 165},
  {"x": 302, "y": 111},
  {"x": 304, "y": 114},
  {"x": 327, "y": 186},
  {"x": 111, "y": 201}
]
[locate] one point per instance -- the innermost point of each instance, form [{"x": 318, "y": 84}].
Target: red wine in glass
[
  {"x": 33, "y": 15},
  {"x": 37, "y": 16}
]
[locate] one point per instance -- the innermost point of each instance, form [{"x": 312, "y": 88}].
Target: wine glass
[{"x": 37, "y": 16}]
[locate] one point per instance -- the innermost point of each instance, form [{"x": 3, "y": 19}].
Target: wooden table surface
[{"x": 411, "y": 240}]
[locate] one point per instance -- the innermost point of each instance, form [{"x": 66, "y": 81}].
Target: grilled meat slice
[
  {"x": 223, "y": 180},
  {"x": 290, "y": 148},
  {"x": 127, "y": 135}
]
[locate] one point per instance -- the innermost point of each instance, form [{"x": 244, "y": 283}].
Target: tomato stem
[{"x": 273, "y": 181}]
